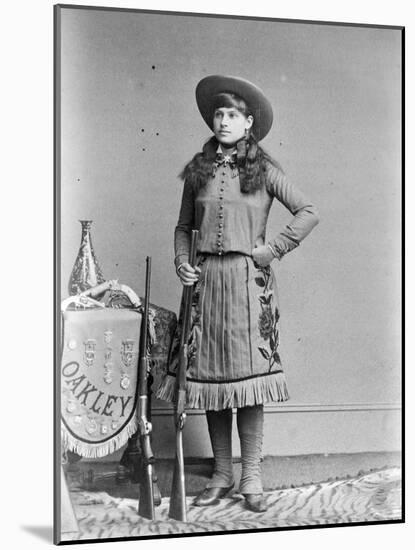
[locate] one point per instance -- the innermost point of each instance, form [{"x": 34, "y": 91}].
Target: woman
[{"x": 233, "y": 349}]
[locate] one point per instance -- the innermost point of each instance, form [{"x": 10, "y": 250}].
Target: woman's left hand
[{"x": 262, "y": 255}]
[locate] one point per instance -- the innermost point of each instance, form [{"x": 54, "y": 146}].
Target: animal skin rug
[{"x": 372, "y": 497}]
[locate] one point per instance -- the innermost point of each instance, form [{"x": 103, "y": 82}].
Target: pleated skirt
[{"x": 233, "y": 348}]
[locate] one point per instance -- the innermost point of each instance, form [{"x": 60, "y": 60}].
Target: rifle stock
[
  {"x": 178, "y": 509},
  {"x": 146, "y": 500}
]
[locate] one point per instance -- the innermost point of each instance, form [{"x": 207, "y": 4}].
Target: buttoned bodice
[{"x": 230, "y": 220}]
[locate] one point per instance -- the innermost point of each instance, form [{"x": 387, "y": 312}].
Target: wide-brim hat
[{"x": 255, "y": 98}]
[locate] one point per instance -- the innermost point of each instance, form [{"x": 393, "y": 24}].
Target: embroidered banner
[{"x": 99, "y": 379}]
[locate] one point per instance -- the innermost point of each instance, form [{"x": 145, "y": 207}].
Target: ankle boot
[
  {"x": 256, "y": 503},
  {"x": 212, "y": 495}
]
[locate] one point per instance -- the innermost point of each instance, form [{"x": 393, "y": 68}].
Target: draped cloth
[{"x": 98, "y": 374}]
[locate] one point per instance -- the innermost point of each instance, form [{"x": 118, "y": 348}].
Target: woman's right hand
[{"x": 187, "y": 274}]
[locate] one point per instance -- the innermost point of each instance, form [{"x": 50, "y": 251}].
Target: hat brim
[{"x": 258, "y": 104}]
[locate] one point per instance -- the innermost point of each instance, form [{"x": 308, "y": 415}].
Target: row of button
[{"x": 220, "y": 229}]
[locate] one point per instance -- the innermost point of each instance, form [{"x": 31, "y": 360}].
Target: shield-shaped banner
[{"x": 99, "y": 379}]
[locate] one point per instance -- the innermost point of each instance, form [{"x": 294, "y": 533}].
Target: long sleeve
[
  {"x": 305, "y": 213},
  {"x": 184, "y": 225}
]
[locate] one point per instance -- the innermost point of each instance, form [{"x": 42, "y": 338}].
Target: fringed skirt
[{"x": 233, "y": 358}]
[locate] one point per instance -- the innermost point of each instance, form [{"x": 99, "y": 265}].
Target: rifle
[
  {"x": 146, "y": 500},
  {"x": 177, "y": 509}
]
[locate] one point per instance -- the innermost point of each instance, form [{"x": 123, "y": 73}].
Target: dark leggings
[{"x": 250, "y": 422}]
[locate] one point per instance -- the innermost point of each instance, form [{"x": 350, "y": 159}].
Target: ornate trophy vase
[{"x": 86, "y": 272}]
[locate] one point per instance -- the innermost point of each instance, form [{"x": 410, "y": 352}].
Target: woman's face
[{"x": 230, "y": 125}]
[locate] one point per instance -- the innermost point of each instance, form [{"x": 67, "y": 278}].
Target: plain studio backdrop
[
  {"x": 129, "y": 123},
  {"x": 27, "y": 120}
]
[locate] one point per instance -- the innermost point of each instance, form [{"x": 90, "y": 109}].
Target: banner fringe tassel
[{"x": 98, "y": 450}]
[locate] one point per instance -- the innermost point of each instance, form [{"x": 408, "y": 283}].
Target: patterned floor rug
[{"x": 372, "y": 497}]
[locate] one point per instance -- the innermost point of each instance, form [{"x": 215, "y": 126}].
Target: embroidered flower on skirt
[{"x": 268, "y": 319}]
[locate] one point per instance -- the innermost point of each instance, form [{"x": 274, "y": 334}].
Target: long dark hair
[{"x": 251, "y": 158}]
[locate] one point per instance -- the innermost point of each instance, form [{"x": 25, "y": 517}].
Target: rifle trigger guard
[
  {"x": 145, "y": 426},
  {"x": 181, "y": 420}
]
